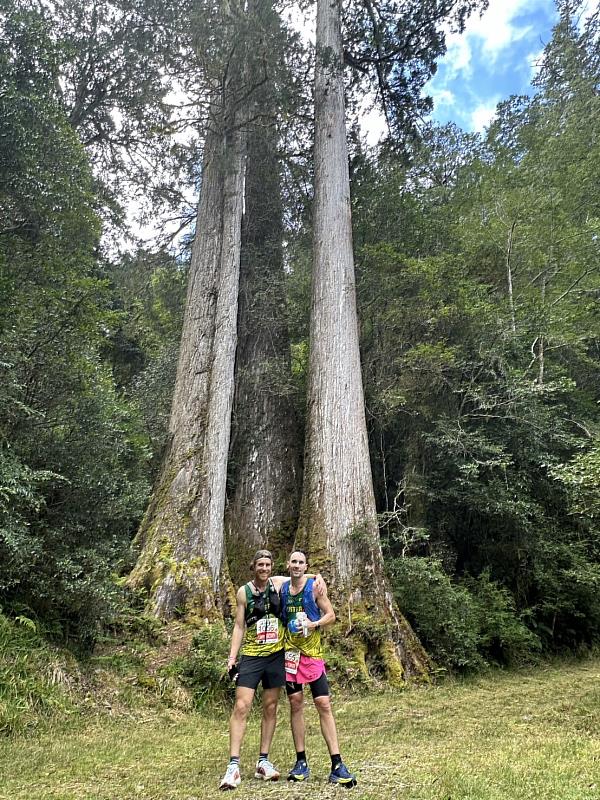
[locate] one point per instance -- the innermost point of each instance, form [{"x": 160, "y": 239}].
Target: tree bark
[
  {"x": 338, "y": 523},
  {"x": 265, "y": 471},
  {"x": 182, "y": 536}
]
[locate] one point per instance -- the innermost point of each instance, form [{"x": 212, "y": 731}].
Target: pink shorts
[{"x": 309, "y": 669}]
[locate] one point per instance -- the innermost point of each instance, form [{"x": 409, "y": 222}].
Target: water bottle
[{"x": 303, "y": 620}]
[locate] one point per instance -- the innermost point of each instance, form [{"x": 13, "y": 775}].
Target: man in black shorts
[{"x": 258, "y": 635}]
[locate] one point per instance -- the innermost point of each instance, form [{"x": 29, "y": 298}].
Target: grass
[{"x": 528, "y": 735}]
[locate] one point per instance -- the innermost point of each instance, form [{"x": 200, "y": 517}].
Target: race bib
[
  {"x": 267, "y": 630},
  {"x": 292, "y": 661}
]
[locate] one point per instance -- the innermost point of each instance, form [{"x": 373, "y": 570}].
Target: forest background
[{"x": 477, "y": 287}]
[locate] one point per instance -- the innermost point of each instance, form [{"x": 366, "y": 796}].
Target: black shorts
[
  {"x": 270, "y": 669},
  {"x": 318, "y": 688}
]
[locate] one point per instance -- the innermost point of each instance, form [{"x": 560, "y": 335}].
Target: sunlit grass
[{"x": 508, "y": 736}]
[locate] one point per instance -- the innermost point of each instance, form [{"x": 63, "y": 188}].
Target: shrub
[
  {"x": 444, "y": 615},
  {"x": 32, "y": 677},
  {"x": 203, "y": 670},
  {"x": 463, "y": 625}
]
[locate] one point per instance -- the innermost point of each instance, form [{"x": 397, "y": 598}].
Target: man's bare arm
[
  {"x": 328, "y": 615},
  {"x": 238, "y": 627},
  {"x": 320, "y": 586}
]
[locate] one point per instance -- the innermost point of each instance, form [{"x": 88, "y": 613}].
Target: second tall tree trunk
[
  {"x": 265, "y": 469},
  {"x": 338, "y": 524}
]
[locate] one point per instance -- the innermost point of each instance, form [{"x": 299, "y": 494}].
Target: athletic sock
[
  {"x": 300, "y": 755},
  {"x": 234, "y": 760},
  {"x": 263, "y": 757},
  {"x": 335, "y": 761}
]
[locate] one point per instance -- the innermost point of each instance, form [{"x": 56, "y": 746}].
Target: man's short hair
[
  {"x": 261, "y": 554},
  {"x": 297, "y": 550}
]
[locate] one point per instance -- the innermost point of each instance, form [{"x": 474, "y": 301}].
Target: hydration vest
[
  {"x": 312, "y": 610},
  {"x": 263, "y": 604}
]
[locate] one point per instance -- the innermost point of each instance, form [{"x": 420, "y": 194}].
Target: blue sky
[{"x": 495, "y": 57}]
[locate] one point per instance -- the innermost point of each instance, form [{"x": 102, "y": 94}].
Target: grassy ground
[{"x": 531, "y": 735}]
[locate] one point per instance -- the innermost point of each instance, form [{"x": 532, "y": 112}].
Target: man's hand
[{"x": 320, "y": 586}]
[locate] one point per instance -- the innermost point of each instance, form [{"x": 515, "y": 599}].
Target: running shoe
[
  {"x": 299, "y": 772},
  {"x": 266, "y": 771},
  {"x": 232, "y": 777},
  {"x": 342, "y": 776}
]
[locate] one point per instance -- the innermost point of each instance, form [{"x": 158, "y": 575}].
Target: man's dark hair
[{"x": 297, "y": 550}]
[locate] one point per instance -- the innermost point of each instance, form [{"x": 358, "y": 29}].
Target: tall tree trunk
[
  {"x": 338, "y": 523},
  {"x": 265, "y": 471},
  {"x": 182, "y": 537}
]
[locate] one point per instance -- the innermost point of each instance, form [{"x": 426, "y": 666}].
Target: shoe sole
[
  {"x": 228, "y": 786},
  {"x": 297, "y": 778},
  {"x": 348, "y": 784},
  {"x": 262, "y": 777}
]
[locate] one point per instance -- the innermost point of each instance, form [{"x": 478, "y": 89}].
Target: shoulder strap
[
  {"x": 249, "y": 601},
  {"x": 310, "y": 604},
  {"x": 284, "y": 592}
]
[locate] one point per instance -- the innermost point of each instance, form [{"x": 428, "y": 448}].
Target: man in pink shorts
[{"x": 303, "y": 613}]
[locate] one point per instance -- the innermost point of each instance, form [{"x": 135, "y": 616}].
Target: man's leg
[
  {"x": 300, "y": 770},
  {"x": 264, "y": 768},
  {"x": 297, "y": 719},
  {"x": 339, "y": 774},
  {"x": 328, "y": 728},
  {"x": 239, "y": 717},
  {"x": 269, "y": 718},
  {"x": 237, "y": 727}
]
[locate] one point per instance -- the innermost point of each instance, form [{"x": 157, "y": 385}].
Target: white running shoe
[
  {"x": 232, "y": 777},
  {"x": 266, "y": 771}
]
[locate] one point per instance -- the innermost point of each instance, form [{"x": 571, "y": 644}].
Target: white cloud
[
  {"x": 534, "y": 61},
  {"x": 491, "y": 33},
  {"x": 483, "y": 115},
  {"x": 588, "y": 8},
  {"x": 442, "y": 97},
  {"x": 458, "y": 56}
]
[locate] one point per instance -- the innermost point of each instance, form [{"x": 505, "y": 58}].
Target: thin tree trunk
[
  {"x": 338, "y": 523},
  {"x": 265, "y": 471},
  {"x": 509, "y": 276},
  {"x": 541, "y": 342}
]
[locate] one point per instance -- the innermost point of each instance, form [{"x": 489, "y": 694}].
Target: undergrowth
[{"x": 35, "y": 678}]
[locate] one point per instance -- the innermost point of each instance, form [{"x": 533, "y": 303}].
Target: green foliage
[
  {"x": 463, "y": 625},
  {"x": 478, "y": 287},
  {"x": 581, "y": 475},
  {"x": 502, "y": 632},
  {"x": 72, "y": 452},
  {"x": 203, "y": 670},
  {"x": 30, "y": 676},
  {"x": 444, "y": 615}
]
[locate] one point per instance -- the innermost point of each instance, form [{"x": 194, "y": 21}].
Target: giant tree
[
  {"x": 265, "y": 454},
  {"x": 181, "y": 537},
  {"x": 338, "y": 522}
]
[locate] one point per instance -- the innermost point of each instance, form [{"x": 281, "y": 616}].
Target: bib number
[
  {"x": 267, "y": 630},
  {"x": 292, "y": 661}
]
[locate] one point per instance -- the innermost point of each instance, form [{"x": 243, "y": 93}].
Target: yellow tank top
[
  {"x": 263, "y": 636},
  {"x": 309, "y": 645}
]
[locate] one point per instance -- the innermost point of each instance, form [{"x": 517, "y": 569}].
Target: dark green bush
[
  {"x": 203, "y": 670},
  {"x": 445, "y": 616},
  {"x": 464, "y": 625}
]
